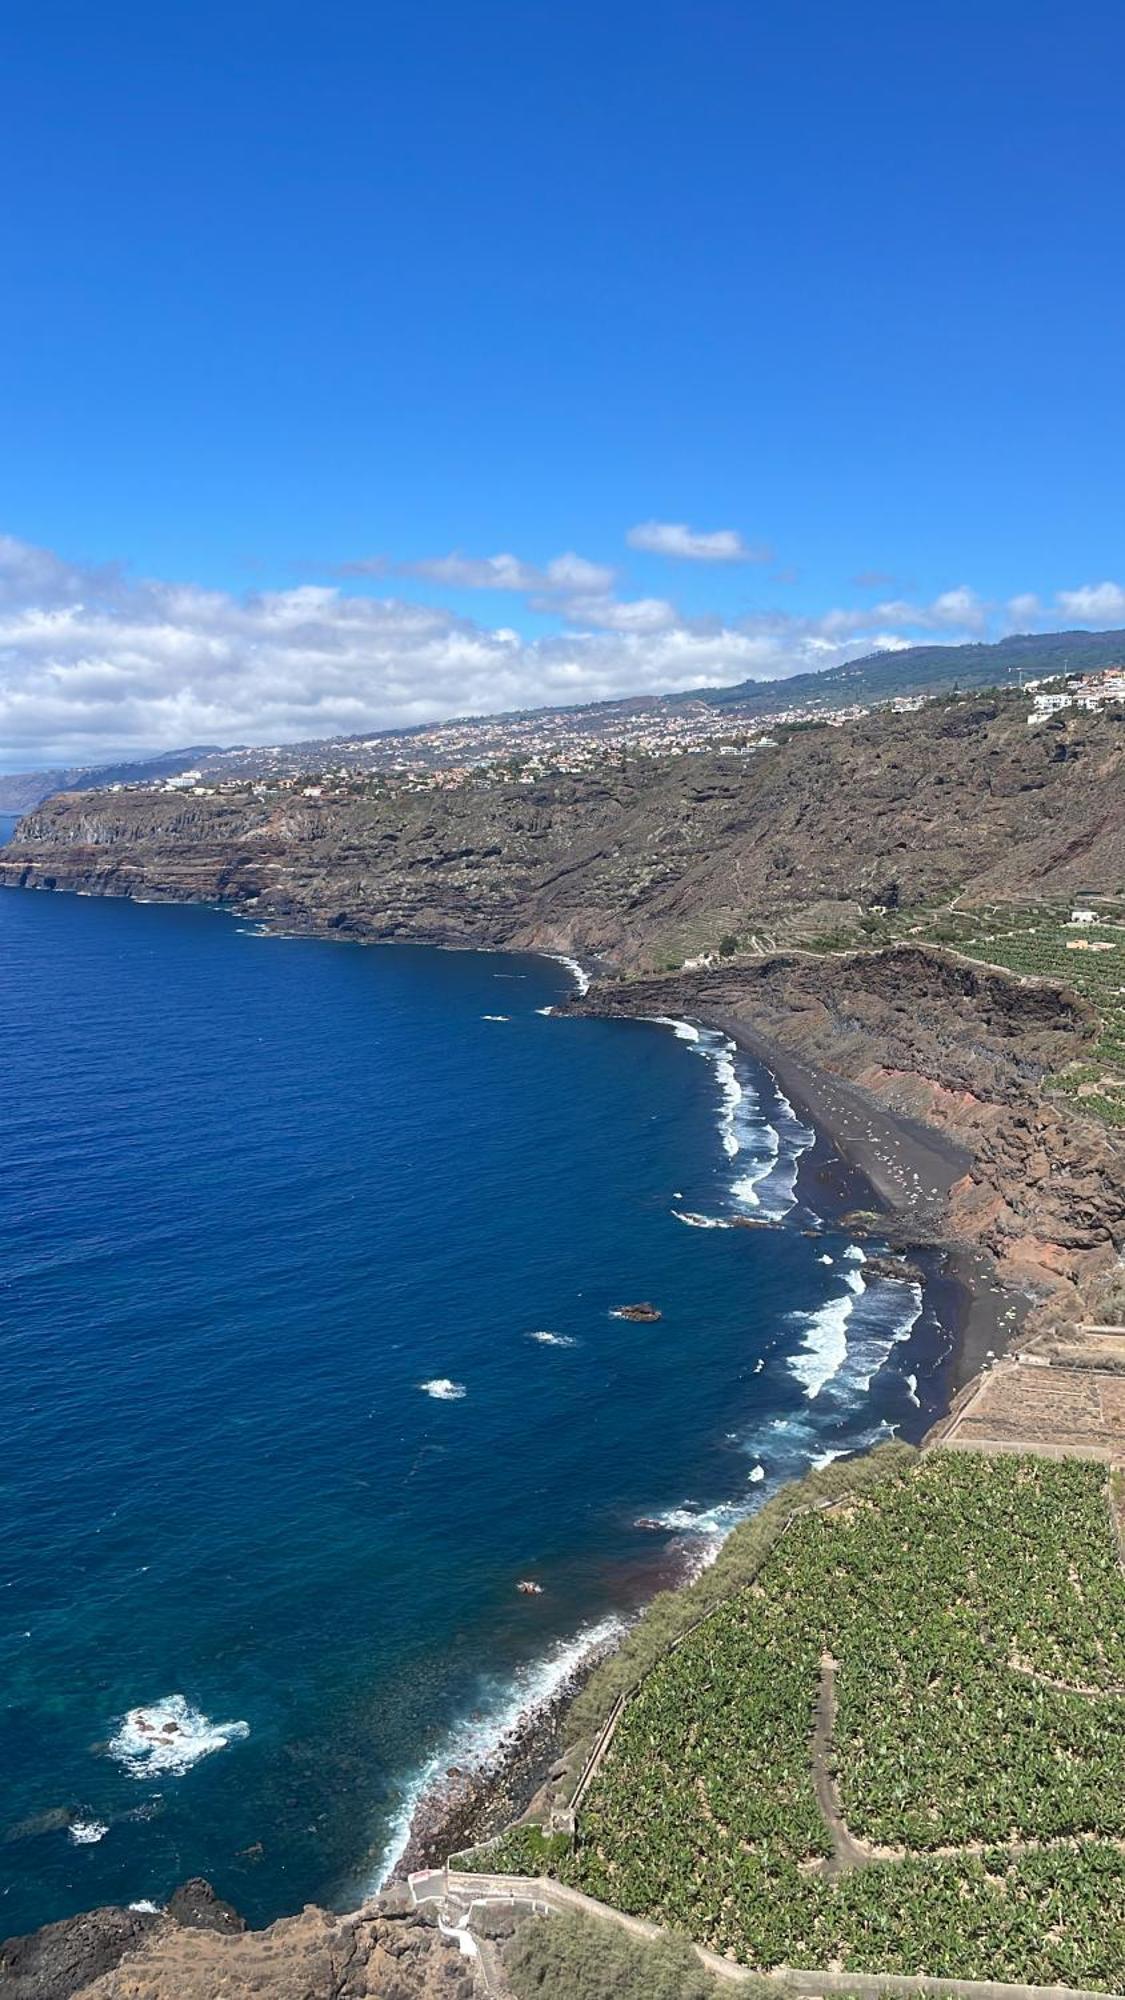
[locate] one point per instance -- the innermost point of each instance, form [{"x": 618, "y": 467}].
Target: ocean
[{"x": 309, "y": 1258}]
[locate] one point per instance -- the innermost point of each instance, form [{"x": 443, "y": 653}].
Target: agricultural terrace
[{"x": 901, "y": 1749}]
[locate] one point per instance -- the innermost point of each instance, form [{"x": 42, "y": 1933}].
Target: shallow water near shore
[{"x": 284, "y": 1228}]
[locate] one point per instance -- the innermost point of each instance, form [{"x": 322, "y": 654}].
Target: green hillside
[{"x": 929, "y": 670}]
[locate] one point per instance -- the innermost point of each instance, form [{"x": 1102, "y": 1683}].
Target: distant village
[{"x": 525, "y": 749}]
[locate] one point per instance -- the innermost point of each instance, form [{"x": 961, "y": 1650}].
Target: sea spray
[{"x": 479, "y": 1745}]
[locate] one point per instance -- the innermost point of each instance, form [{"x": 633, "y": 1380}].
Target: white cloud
[
  {"x": 675, "y": 538},
  {"x": 93, "y": 665},
  {"x": 506, "y": 572},
  {"x": 615, "y": 614},
  {"x": 1024, "y": 610},
  {"x": 1095, "y": 603}
]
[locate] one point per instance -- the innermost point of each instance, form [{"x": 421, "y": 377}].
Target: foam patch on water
[
  {"x": 578, "y": 974},
  {"x": 480, "y": 1744},
  {"x": 442, "y": 1389},
  {"x": 496, "y": 1017},
  {"x": 701, "y": 1221},
  {"x": 84, "y": 1832},
  {"x": 169, "y": 1737},
  {"x": 767, "y": 1150},
  {"x": 547, "y": 1339},
  {"x": 146, "y": 1908},
  {"x": 824, "y": 1348}
]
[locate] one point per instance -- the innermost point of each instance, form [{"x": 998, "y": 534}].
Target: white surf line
[
  {"x": 481, "y": 1744},
  {"x": 578, "y": 973}
]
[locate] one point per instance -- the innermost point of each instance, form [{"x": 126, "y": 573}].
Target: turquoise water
[{"x": 256, "y": 1194}]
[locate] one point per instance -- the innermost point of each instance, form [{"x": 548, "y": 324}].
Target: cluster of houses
[{"x": 1080, "y": 691}]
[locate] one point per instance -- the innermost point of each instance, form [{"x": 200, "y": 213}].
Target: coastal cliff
[
  {"x": 639, "y": 861},
  {"x": 965, "y": 1051},
  {"x": 199, "y": 1947}
]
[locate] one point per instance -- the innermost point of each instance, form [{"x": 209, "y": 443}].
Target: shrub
[{"x": 577, "y": 1958}]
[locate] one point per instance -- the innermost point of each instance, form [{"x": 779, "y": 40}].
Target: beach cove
[{"x": 319, "y": 1368}]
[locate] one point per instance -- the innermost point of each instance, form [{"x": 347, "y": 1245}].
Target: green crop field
[{"x": 951, "y": 1651}]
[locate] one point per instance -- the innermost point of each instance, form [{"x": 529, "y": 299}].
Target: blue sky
[{"x": 299, "y": 302}]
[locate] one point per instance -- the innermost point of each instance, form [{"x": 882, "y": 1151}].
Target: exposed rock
[
  {"x": 65, "y": 1958},
  {"x": 196, "y": 1906},
  {"x": 185, "y": 1954},
  {"x": 644, "y": 1313},
  {"x": 898, "y": 1269},
  {"x": 898, "y": 810}
]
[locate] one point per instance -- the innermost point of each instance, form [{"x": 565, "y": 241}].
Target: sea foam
[
  {"x": 478, "y": 1743},
  {"x": 581, "y": 978},
  {"x": 169, "y": 1737},
  {"x": 442, "y": 1389},
  {"x": 824, "y": 1348}
]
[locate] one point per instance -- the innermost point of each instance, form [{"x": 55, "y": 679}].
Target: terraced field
[{"x": 902, "y": 1749}]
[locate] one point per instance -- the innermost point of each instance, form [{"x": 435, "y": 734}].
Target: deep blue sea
[{"x": 308, "y": 1259}]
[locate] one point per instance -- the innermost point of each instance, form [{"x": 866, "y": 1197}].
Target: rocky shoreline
[{"x": 469, "y": 1806}]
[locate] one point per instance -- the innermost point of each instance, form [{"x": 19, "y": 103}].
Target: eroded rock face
[
  {"x": 618, "y": 860},
  {"x": 198, "y": 1949},
  {"x": 965, "y": 1051}
]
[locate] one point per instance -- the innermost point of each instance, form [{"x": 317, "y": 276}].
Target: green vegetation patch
[
  {"x": 967, "y": 1619},
  {"x": 584, "y": 1959}
]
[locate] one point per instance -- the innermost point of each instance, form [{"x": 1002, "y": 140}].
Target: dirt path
[{"x": 846, "y": 1852}]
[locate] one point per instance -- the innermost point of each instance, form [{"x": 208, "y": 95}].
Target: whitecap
[
  {"x": 695, "y": 1221},
  {"x": 581, "y": 978},
  {"x": 544, "y": 1010},
  {"x": 826, "y": 1259},
  {"x": 170, "y": 1736},
  {"x": 496, "y": 1017},
  {"x": 912, "y": 1391},
  {"x": 478, "y": 1743},
  {"x": 84, "y": 1832},
  {"x": 145, "y": 1907},
  {"x": 547, "y": 1339},
  {"x": 756, "y": 1473},
  {"x": 442, "y": 1389},
  {"x": 824, "y": 1349}
]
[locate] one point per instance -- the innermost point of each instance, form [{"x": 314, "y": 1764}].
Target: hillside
[
  {"x": 927, "y": 670},
  {"x": 642, "y": 860},
  {"x": 878, "y": 677}
]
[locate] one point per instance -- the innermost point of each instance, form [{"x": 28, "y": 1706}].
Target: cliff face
[
  {"x": 200, "y": 1948},
  {"x": 964, "y": 1050},
  {"x": 642, "y": 862}
]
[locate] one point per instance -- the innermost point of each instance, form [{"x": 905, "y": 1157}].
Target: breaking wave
[
  {"x": 442, "y": 1389},
  {"x": 547, "y": 1339},
  {"x": 480, "y": 1743},
  {"x": 767, "y": 1150},
  {"x": 84, "y": 1832},
  {"x": 169, "y": 1737},
  {"x": 578, "y": 974}
]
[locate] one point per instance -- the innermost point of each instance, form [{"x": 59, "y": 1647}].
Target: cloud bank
[{"x": 94, "y": 664}]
